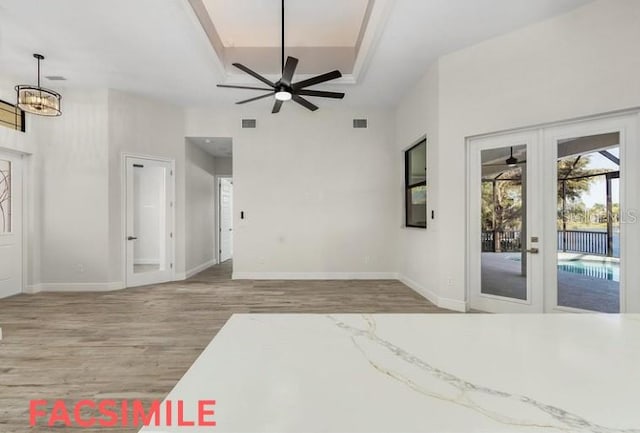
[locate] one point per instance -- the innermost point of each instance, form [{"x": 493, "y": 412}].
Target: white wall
[
  {"x": 416, "y": 117},
  {"x": 316, "y": 193},
  {"x": 200, "y": 209},
  {"x": 223, "y": 166},
  {"x": 72, "y": 184},
  {"x": 581, "y": 63}
]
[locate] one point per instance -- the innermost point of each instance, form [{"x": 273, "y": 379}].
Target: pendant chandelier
[{"x": 38, "y": 100}]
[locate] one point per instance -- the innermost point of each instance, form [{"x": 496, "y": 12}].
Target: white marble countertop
[{"x": 419, "y": 373}]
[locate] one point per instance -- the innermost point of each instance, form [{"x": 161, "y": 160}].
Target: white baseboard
[
  {"x": 446, "y": 303},
  {"x": 315, "y": 276},
  {"x": 191, "y": 272},
  {"x": 73, "y": 287}
]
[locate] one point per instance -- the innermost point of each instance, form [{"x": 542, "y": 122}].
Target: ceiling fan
[
  {"x": 512, "y": 161},
  {"x": 285, "y": 89}
]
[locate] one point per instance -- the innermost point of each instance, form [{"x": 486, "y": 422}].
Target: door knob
[
  {"x": 533, "y": 251},
  {"x": 132, "y": 238}
]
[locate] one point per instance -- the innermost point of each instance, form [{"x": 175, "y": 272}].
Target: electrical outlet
[{"x": 451, "y": 282}]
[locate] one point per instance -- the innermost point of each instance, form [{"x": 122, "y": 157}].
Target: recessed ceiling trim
[
  {"x": 353, "y": 61},
  {"x": 209, "y": 28},
  {"x": 376, "y": 21}
]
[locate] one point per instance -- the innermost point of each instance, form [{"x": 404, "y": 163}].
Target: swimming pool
[
  {"x": 589, "y": 268},
  {"x": 601, "y": 270}
]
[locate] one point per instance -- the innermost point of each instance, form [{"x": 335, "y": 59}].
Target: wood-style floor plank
[{"x": 137, "y": 343}]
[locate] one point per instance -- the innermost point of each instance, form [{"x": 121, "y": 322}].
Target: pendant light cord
[{"x": 38, "y": 71}]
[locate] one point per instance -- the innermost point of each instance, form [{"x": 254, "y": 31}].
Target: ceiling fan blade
[
  {"x": 306, "y": 104},
  {"x": 503, "y": 164},
  {"x": 254, "y": 74},
  {"x": 256, "y": 98},
  {"x": 243, "y": 87},
  {"x": 320, "y": 94},
  {"x": 317, "y": 80},
  {"x": 277, "y": 106},
  {"x": 289, "y": 70}
]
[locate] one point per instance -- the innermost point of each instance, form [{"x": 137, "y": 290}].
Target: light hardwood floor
[{"x": 137, "y": 343}]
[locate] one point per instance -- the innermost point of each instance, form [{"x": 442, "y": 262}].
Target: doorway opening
[
  {"x": 225, "y": 219},
  {"x": 149, "y": 215}
]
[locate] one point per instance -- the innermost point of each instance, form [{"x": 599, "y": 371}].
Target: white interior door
[
  {"x": 149, "y": 221},
  {"x": 504, "y": 224},
  {"x": 226, "y": 219},
  {"x": 10, "y": 224}
]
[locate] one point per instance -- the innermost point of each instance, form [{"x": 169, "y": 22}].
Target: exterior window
[{"x": 415, "y": 163}]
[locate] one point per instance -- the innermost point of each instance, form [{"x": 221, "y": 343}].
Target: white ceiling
[
  {"x": 219, "y": 147},
  {"x": 158, "y": 48},
  {"x": 257, "y": 23}
]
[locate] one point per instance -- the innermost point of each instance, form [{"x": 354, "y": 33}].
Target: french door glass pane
[
  {"x": 503, "y": 220},
  {"x": 5, "y": 196},
  {"x": 588, "y": 223}
]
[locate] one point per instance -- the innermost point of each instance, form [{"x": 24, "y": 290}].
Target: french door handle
[
  {"x": 533, "y": 251},
  {"x": 131, "y": 238}
]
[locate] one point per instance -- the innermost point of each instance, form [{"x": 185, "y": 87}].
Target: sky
[{"x": 598, "y": 190}]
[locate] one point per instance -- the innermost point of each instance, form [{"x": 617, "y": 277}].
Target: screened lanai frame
[{"x": 580, "y": 241}]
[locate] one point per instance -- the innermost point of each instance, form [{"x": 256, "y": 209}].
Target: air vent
[
  {"x": 360, "y": 123},
  {"x": 55, "y": 78},
  {"x": 248, "y": 123}
]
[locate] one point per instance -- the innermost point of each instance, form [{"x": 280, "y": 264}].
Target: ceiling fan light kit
[
  {"x": 283, "y": 95},
  {"x": 285, "y": 89},
  {"x": 36, "y": 99}
]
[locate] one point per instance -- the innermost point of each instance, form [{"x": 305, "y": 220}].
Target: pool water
[{"x": 600, "y": 270}]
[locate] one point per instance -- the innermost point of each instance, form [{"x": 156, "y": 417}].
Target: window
[
  {"x": 11, "y": 117},
  {"x": 415, "y": 169}
]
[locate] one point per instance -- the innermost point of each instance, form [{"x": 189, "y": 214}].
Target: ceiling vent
[
  {"x": 248, "y": 123},
  {"x": 55, "y": 78},
  {"x": 360, "y": 123}
]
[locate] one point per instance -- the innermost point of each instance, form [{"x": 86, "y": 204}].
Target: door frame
[
  {"x": 123, "y": 211},
  {"x": 218, "y": 211},
  {"x": 627, "y": 122}
]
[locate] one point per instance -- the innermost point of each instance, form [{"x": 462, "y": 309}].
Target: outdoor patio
[{"x": 502, "y": 276}]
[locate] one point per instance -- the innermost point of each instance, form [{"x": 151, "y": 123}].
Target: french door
[
  {"x": 551, "y": 217},
  {"x": 149, "y": 221},
  {"x": 505, "y": 265},
  {"x": 10, "y": 224}
]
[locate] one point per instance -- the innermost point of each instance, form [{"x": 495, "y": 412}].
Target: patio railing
[
  {"x": 574, "y": 241},
  {"x": 577, "y": 241},
  {"x": 501, "y": 242}
]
